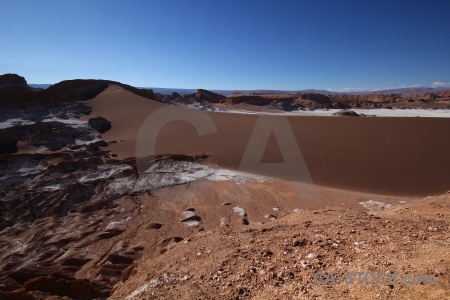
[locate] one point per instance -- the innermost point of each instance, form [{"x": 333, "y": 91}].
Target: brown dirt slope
[{"x": 279, "y": 260}]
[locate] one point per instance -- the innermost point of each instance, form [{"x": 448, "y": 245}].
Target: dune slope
[{"x": 407, "y": 156}]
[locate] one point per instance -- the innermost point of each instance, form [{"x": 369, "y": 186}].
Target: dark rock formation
[
  {"x": 38, "y": 112},
  {"x": 13, "y": 82},
  {"x": 249, "y": 99},
  {"x": 287, "y": 105},
  {"x": 100, "y": 124},
  {"x": 200, "y": 97},
  {"x": 346, "y": 113},
  {"x": 319, "y": 98},
  {"x": 65, "y": 91},
  {"x": 56, "y": 284},
  {"x": 52, "y": 135},
  {"x": 63, "y": 209},
  {"x": 339, "y": 101},
  {"x": 8, "y": 142},
  {"x": 204, "y": 95},
  {"x": 159, "y": 97},
  {"x": 12, "y": 79},
  {"x": 311, "y": 100},
  {"x": 39, "y": 125}
]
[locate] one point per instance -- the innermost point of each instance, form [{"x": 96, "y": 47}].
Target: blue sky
[{"x": 247, "y": 44}]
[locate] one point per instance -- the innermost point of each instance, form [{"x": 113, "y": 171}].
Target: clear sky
[{"x": 246, "y": 44}]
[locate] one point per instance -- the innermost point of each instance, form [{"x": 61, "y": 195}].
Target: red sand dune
[{"x": 404, "y": 156}]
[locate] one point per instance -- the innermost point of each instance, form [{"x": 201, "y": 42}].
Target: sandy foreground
[{"x": 279, "y": 260}]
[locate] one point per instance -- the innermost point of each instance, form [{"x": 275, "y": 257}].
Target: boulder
[{"x": 100, "y": 124}]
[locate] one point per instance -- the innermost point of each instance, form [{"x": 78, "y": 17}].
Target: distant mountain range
[
  {"x": 167, "y": 91},
  {"x": 229, "y": 92},
  {"x": 413, "y": 90},
  {"x": 402, "y": 91},
  {"x": 40, "y": 86}
]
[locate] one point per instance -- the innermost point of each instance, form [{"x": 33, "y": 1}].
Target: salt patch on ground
[
  {"x": 375, "y": 205},
  {"x": 171, "y": 173},
  {"x": 105, "y": 174},
  {"x": 67, "y": 121},
  {"x": 224, "y": 175},
  {"x": 52, "y": 187},
  {"x": 85, "y": 142},
  {"x": 239, "y": 210},
  {"x": 118, "y": 224},
  {"x": 14, "y": 122},
  {"x": 379, "y": 112},
  {"x": 166, "y": 278}
]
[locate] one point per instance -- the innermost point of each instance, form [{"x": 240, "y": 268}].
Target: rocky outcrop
[
  {"x": 201, "y": 96},
  {"x": 8, "y": 142},
  {"x": 308, "y": 100},
  {"x": 65, "y": 91},
  {"x": 57, "y": 284},
  {"x": 12, "y": 79},
  {"x": 288, "y": 105},
  {"x": 249, "y": 99},
  {"x": 43, "y": 126},
  {"x": 319, "y": 98},
  {"x": 204, "y": 95},
  {"x": 13, "y": 82},
  {"x": 72, "y": 215},
  {"x": 159, "y": 97},
  {"x": 341, "y": 101},
  {"x": 100, "y": 124},
  {"x": 38, "y": 113}
]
